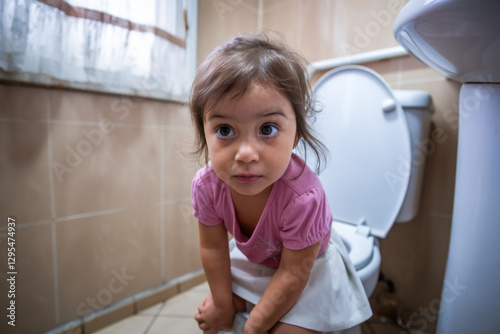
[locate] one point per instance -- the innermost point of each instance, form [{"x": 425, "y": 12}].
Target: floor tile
[
  {"x": 136, "y": 324},
  {"x": 183, "y": 305},
  {"x": 164, "y": 325},
  {"x": 152, "y": 311},
  {"x": 203, "y": 287}
]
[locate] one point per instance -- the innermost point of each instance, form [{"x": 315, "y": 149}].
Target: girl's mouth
[{"x": 247, "y": 178}]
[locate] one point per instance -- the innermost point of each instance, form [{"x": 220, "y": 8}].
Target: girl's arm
[
  {"x": 284, "y": 288},
  {"x": 217, "y": 310}
]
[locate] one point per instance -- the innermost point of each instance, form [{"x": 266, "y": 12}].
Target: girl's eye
[
  {"x": 269, "y": 130},
  {"x": 224, "y": 131}
]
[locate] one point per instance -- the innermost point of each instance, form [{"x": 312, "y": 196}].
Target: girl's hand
[{"x": 212, "y": 318}]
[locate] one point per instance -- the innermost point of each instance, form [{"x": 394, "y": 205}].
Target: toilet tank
[{"x": 418, "y": 108}]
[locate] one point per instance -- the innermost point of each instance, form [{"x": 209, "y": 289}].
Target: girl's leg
[
  {"x": 239, "y": 303},
  {"x": 282, "y": 328}
]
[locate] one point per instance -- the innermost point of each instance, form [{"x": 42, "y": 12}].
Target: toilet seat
[
  {"x": 359, "y": 247},
  {"x": 364, "y": 128}
]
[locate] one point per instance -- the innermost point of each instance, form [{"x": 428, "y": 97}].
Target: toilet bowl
[{"x": 378, "y": 142}]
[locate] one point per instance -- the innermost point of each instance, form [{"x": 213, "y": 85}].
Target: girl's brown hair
[{"x": 247, "y": 59}]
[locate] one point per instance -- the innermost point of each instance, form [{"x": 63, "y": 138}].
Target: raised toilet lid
[{"x": 365, "y": 131}]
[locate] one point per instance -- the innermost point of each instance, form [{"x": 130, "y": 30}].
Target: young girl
[{"x": 250, "y": 103}]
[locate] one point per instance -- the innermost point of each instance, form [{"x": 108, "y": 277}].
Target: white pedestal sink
[{"x": 461, "y": 39}]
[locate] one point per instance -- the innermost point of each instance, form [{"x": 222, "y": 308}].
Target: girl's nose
[{"x": 247, "y": 152}]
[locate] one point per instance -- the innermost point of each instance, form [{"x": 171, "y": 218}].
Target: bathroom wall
[
  {"x": 100, "y": 191},
  {"x": 414, "y": 253}
]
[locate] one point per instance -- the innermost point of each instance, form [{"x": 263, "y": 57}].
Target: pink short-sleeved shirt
[{"x": 296, "y": 215}]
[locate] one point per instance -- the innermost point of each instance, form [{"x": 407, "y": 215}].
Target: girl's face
[{"x": 250, "y": 139}]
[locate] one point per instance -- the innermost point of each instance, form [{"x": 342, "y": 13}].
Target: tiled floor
[
  {"x": 173, "y": 316},
  {"x": 176, "y": 316}
]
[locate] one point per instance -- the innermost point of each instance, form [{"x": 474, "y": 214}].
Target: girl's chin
[{"x": 250, "y": 189}]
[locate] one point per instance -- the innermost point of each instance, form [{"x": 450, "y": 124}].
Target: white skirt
[{"x": 333, "y": 299}]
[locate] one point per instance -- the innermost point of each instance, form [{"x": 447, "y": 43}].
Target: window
[{"x": 144, "y": 48}]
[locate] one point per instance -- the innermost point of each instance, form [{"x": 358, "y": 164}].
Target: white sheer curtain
[{"x": 123, "y": 46}]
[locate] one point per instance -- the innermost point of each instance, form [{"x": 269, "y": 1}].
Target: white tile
[
  {"x": 183, "y": 305},
  {"x": 203, "y": 287},
  {"x": 164, "y": 325},
  {"x": 152, "y": 311},
  {"x": 136, "y": 324}
]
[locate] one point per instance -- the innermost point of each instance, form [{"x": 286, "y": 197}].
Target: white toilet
[{"x": 377, "y": 141}]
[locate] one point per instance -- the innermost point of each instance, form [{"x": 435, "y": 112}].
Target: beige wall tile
[
  {"x": 86, "y": 106},
  {"x": 319, "y": 36},
  {"x": 218, "y": 21},
  {"x": 389, "y": 70},
  {"x": 176, "y": 114},
  {"x": 34, "y": 292},
  {"x": 325, "y": 29},
  {"x": 105, "y": 258},
  {"x": 23, "y": 102},
  {"x": 285, "y": 18},
  {"x": 414, "y": 70},
  {"x": 97, "y": 168},
  {"x": 369, "y": 24},
  {"x": 180, "y": 167},
  {"x": 24, "y": 171},
  {"x": 414, "y": 257},
  {"x": 182, "y": 252},
  {"x": 270, "y": 4}
]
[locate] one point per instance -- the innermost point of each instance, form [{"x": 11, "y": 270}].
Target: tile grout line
[
  {"x": 91, "y": 123},
  {"x": 134, "y": 299},
  {"x": 260, "y": 14},
  {"x": 53, "y": 214},
  {"x": 162, "y": 200},
  {"x": 299, "y": 35},
  {"x": 97, "y": 213},
  {"x": 155, "y": 316},
  {"x": 400, "y": 75}
]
